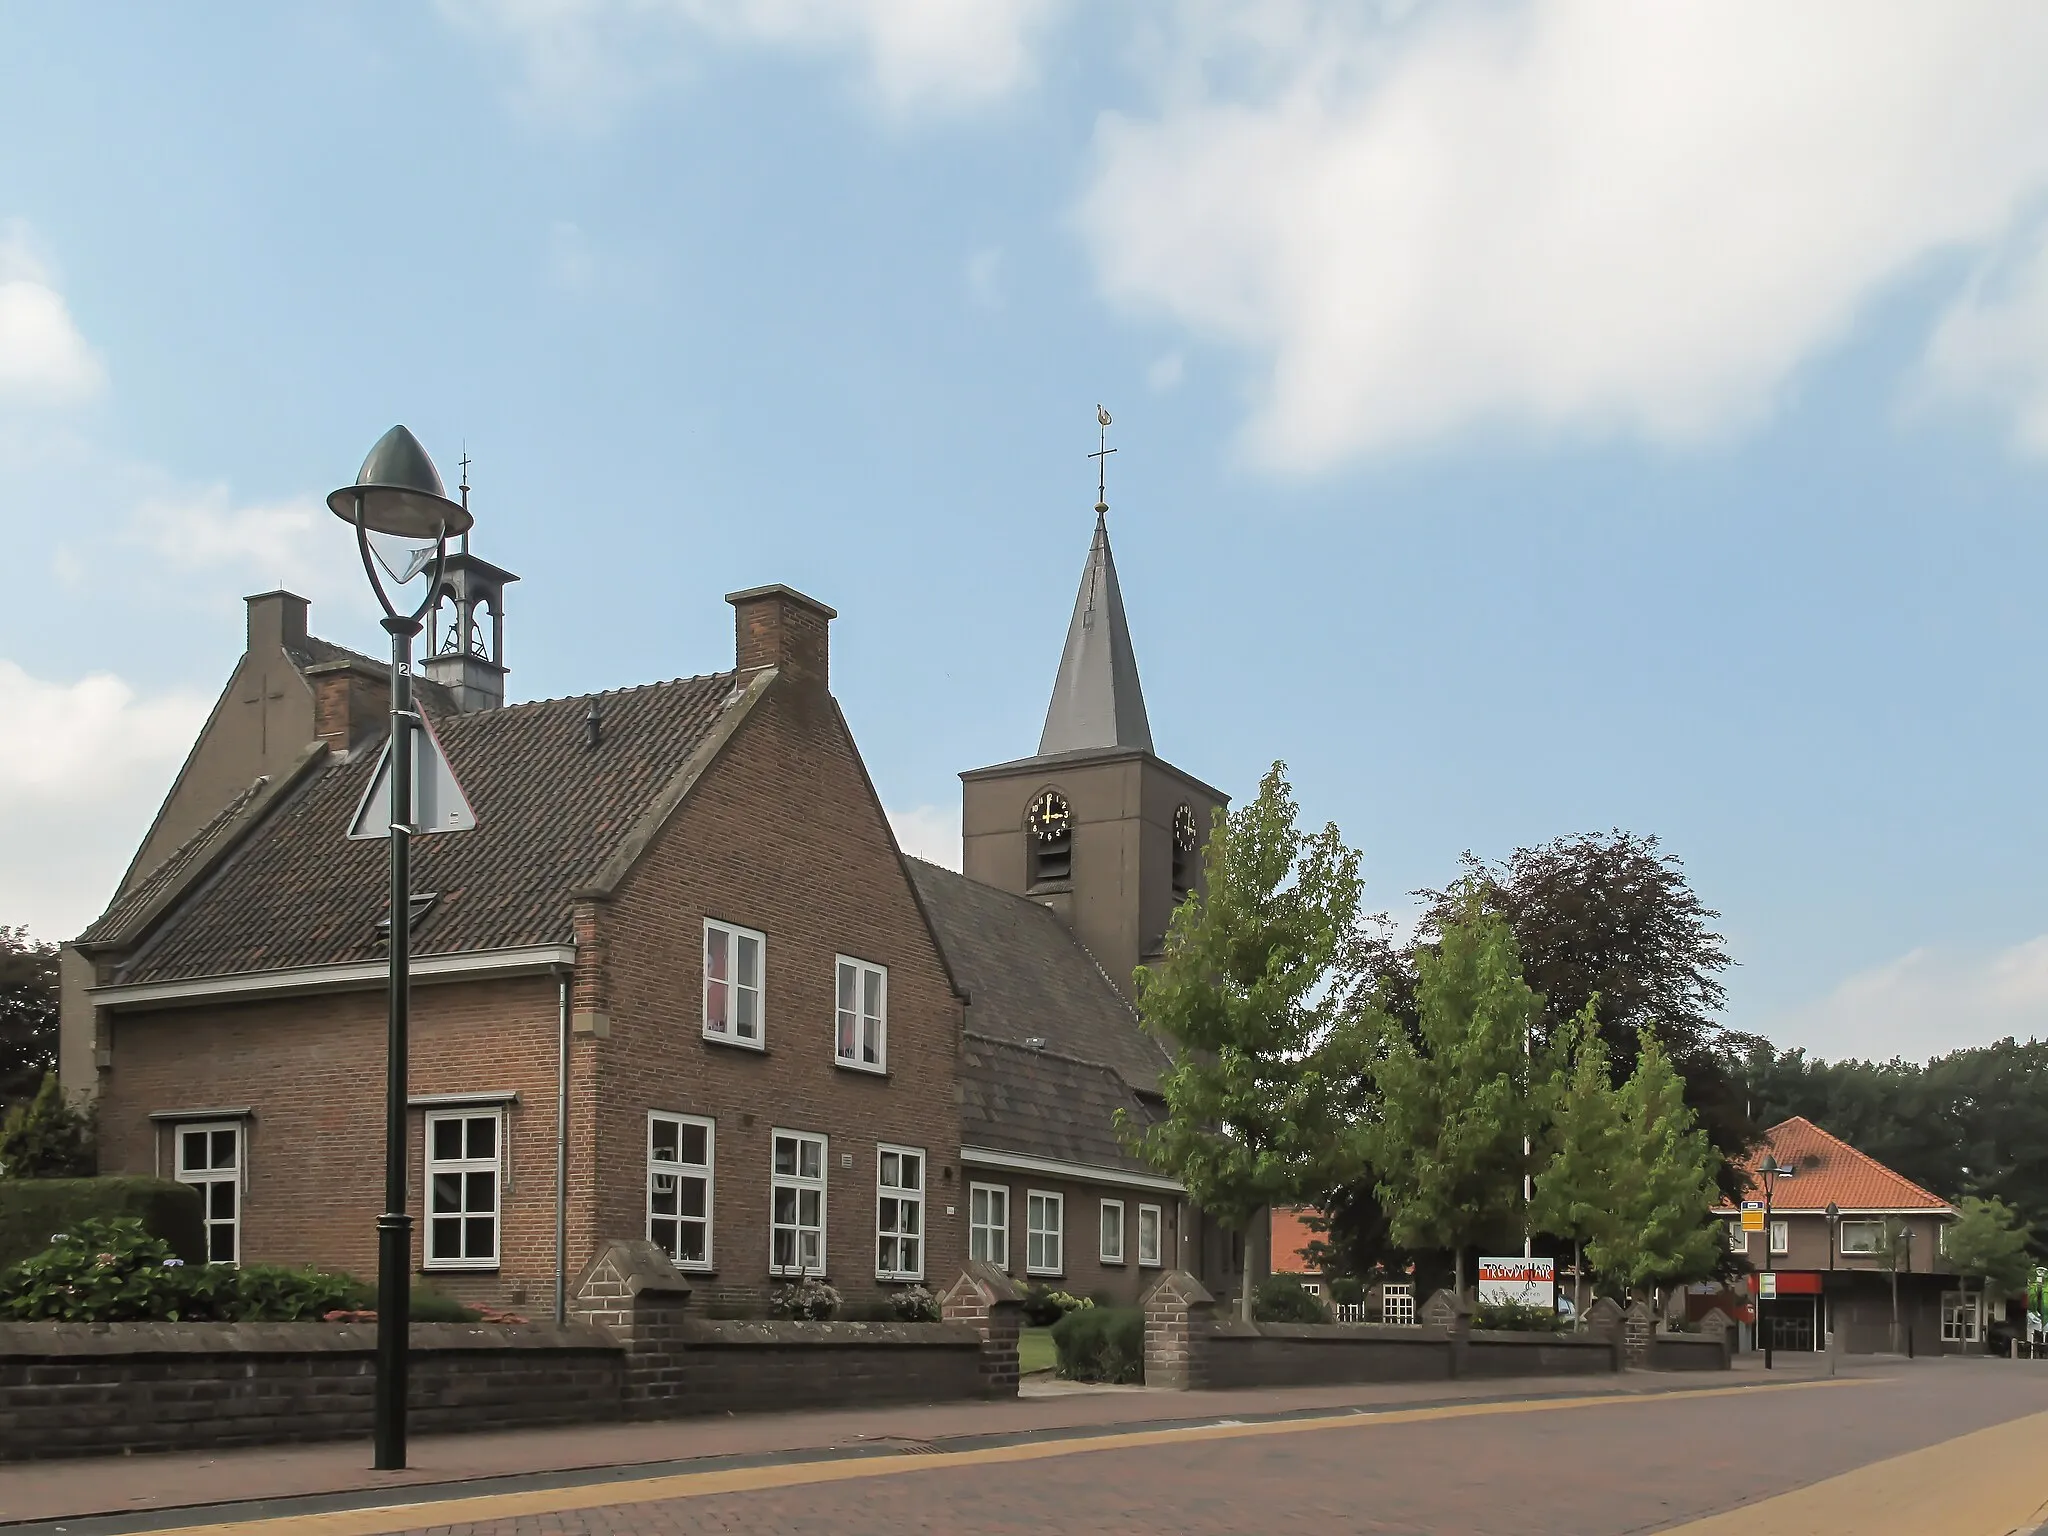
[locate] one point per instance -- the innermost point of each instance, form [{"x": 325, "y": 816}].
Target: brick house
[{"x": 679, "y": 982}]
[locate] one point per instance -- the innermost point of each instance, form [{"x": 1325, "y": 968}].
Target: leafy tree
[
  {"x": 1664, "y": 1189},
  {"x": 1894, "y": 1253},
  {"x": 1986, "y": 1242},
  {"x": 28, "y": 1014},
  {"x": 1455, "y": 1100},
  {"x": 1574, "y": 1194},
  {"x": 1262, "y": 1100},
  {"x": 47, "y": 1138}
]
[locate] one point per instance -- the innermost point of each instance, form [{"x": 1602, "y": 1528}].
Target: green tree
[
  {"x": 1894, "y": 1253},
  {"x": 1454, "y": 1101},
  {"x": 1263, "y": 1097},
  {"x": 1574, "y": 1192},
  {"x": 47, "y": 1138},
  {"x": 1987, "y": 1242},
  {"x": 1664, "y": 1188},
  {"x": 28, "y": 1014}
]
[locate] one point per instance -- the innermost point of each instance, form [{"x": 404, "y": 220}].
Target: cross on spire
[{"x": 1101, "y": 458}]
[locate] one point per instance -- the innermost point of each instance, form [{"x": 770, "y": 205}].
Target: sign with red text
[{"x": 1525, "y": 1282}]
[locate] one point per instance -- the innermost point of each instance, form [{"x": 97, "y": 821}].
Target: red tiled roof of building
[{"x": 1829, "y": 1169}]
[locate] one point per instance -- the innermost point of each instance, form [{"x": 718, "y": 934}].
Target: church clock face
[
  {"x": 1184, "y": 828},
  {"x": 1049, "y": 819}
]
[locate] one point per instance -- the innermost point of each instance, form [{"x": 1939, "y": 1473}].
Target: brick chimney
[
  {"x": 351, "y": 703},
  {"x": 777, "y": 626}
]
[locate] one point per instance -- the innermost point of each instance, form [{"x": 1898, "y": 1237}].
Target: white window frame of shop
[
  {"x": 899, "y": 1212},
  {"x": 860, "y": 1033},
  {"x": 215, "y": 1181},
  {"x": 1738, "y": 1240},
  {"x": 798, "y": 1183},
  {"x": 1397, "y": 1303},
  {"x": 1044, "y": 1246},
  {"x": 1962, "y": 1317},
  {"x": 679, "y": 1172},
  {"x": 1873, "y": 1229},
  {"x": 988, "y": 1232},
  {"x": 1111, "y": 1254},
  {"x": 465, "y": 1169},
  {"x": 729, "y": 1030},
  {"x": 1149, "y": 1255},
  {"x": 1781, "y": 1236}
]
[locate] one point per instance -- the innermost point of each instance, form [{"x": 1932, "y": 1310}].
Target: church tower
[
  {"x": 1095, "y": 825},
  {"x": 461, "y": 657}
]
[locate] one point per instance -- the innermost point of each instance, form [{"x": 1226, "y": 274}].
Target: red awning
[{"x": 1792, "y": 1282}]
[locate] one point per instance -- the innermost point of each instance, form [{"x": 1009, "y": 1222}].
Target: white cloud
[
  {"x": 587, "y": 55},
  {"x": 1166, "y": 372},
  {"x": 295, "y": 543},
  {"x": 1925, "y": 1003},
  {"x": 44, "y": 360},
  {"x": 83, "y": 766},
  {"x": 929, "y": 832},
  {"x": 1992, "y": 344},
  {"x": 985, "y": 278},
  {"x": 1564, "y": 215}
]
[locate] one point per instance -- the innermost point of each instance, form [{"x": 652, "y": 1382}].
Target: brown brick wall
[
  {"x": 1082, "y": 1272},
  {"x": 782, "y": 835}
]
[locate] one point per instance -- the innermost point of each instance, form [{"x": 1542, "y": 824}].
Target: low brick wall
[
  {"x": 77, "y": 1389},
  {"x": 1690, "y": 1352},
  {"x": 1538, "y": 1354}
]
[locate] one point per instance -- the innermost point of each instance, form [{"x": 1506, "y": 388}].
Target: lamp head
[
  {"x": 400, "y": 493},
  {"x": 1834, "y": 1211}
]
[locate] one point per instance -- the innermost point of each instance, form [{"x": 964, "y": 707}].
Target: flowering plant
[{"x": 810, "y": 1300}]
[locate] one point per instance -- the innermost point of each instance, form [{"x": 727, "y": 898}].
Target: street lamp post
[
  {"x": 1771, "y": 1171},
  {"x": 1834, "y": 1216},
  {"x": 398, "y": 495}
]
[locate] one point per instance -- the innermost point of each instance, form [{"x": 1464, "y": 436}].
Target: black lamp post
[
  {"x": 398, "y": 494},
  {"x": 1834, "y": 1216},
  {"x": 1771, "y": 1171}
]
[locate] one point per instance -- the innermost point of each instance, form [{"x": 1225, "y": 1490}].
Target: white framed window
[
  {"x": 1738, "y": 1240},
  {"x": 1397, "y": 1303},
  {"x": 1112, "y": 1249},
  {"x": 1149, "y": 1234},
  {"x": 464, "y": 1169},
  {"x": 210, "y": 1160},
  {"x": 861, "y": 1034},
  {"x": 1781, "y": 1235},
  {"x": 735, "y": 960},
  {"x": 796, "y": 1205},
  {"x": 1862, "y": 1237},
  {"x": 1044, "y": 1225},
  {"x": 988, "y": 1224},
  {"x": 1313, "y": 1287},
  {"x": 679, "y": 1161},
  {"x": 899, "y": 1213},
  {"x": 1962, "y": 1317}
]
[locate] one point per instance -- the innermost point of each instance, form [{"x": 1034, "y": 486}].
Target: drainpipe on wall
[{"x": 562, "y": 1154}]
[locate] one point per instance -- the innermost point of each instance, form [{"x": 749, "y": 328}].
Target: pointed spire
[{"x": 1096, "y": 700}]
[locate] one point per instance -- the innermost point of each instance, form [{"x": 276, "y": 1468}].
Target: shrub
[
  {"x": 809, "y": 1301},
  {"x": 1044, "y": 1307},
  {"x": 1101, "y": 1344},
  {"x": 112, "y": 1271},
  {"x": 47, "y": 1138},
  {"x": 1347, "y": 1291},
  {"x": 32, "y": 1209},
  {"x": 1517, "y": 1317},
  {"x": 915, "y": 1305},
  {"x": 276, "y": 1293},
  {"x": 1283, "y": 1299}
]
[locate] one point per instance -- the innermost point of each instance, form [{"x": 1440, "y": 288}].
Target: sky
[{"x": 1532, "y": 418}]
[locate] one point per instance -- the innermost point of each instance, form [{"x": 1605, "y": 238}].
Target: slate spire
[{"x": 1096, "y": 700}]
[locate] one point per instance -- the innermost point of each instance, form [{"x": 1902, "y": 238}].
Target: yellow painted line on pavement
[
  {"x": 476, "y": 1508},
  {"x": 1992, "y": 1482}
]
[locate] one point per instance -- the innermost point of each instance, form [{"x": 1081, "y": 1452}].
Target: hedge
[
  {"x": 31, "y": 1210},
  {"x": 1101, "y": 1344}
]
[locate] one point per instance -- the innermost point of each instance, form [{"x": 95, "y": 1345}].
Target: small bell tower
[{"x": 463, "y": 656}]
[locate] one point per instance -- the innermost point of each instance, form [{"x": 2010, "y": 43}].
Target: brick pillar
[
  {"x": 632, "y": 1291},
  {"x": 1604, "y": 1320},
  {"x": 987, "y": 1298},
  {"x": 1717, "y": 1325},
  {"x": 1637, "y": 1326},
  {"x": 1178, "y": 1314}
]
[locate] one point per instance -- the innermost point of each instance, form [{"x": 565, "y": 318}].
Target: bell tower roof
[{"x": 1096, "y": 699}]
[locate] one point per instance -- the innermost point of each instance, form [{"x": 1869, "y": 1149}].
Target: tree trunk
[
  {"x": 1578, "y": 1285},
  {"x": 1895, "y": 1311},
  {"x": 1458, "y": 1273}
]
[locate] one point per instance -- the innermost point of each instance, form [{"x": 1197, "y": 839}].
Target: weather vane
[{"x": 1101, "y": 458}]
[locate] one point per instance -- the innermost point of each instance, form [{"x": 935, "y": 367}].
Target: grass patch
[{"x": 1035, "y": 1351}]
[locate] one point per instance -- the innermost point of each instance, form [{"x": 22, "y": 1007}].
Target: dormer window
[{"x": 1049, "y": 827}]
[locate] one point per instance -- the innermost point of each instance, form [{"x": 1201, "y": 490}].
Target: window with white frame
[
  {"x": 1149, "y": 1234},
  {"x": 988, "y": 1225},
  {"x": 1781, "y": 1235},
  {"x": 899, "y": 1213},
  {"x": 1738, "y": 1240},
  {"x": 1397, "y": 1303},
  {"x": 463, "y": 1172},
  {"x": 1862, "y": 1237},
  {"x": 1112, "y": 1249},
  {"x": 210, "y": 1160},
  {"x": 1962, "y": 1317},
  {"x": 796, "y": 1240},
  {"x": 679, "y": 1151},
  {"x": 863, "y": 1015},
  {"x": 1313, "y": 1287},
  {"x": 1044, "y": 1223},
  {"x": 734, "y": 959}
]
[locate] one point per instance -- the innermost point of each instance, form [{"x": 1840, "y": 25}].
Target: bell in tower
[{"x": 466, "y": 631}]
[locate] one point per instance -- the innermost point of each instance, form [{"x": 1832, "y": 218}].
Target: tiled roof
[
  {"x": 1028, "y": 978},
  {"x": 1038, "y": 1104},
  {"x": 1829, "y": 1169},
  {"x": 550, "y": 812},
  {"x": 317, "y": 653}
]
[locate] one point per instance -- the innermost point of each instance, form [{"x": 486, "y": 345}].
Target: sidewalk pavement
[{"x": 54, "y": 1490}]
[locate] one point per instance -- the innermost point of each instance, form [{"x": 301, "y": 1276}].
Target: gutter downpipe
[{"x": 562, "y": 1154}]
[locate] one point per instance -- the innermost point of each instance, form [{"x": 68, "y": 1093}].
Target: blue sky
[{"x": 1531, "y": 418}]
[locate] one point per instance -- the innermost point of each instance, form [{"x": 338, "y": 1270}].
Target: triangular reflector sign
[{"x": 438, "y": 803}]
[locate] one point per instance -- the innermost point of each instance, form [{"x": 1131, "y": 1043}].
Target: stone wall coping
[
  {"x": 1526, "y": 1337},
  {"x": 781, "y": 1333},
  {"x": 638, "y": 1266},
  {"x": 58, "y": 1341},
  {"x": 1181, "y": 1285}
]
